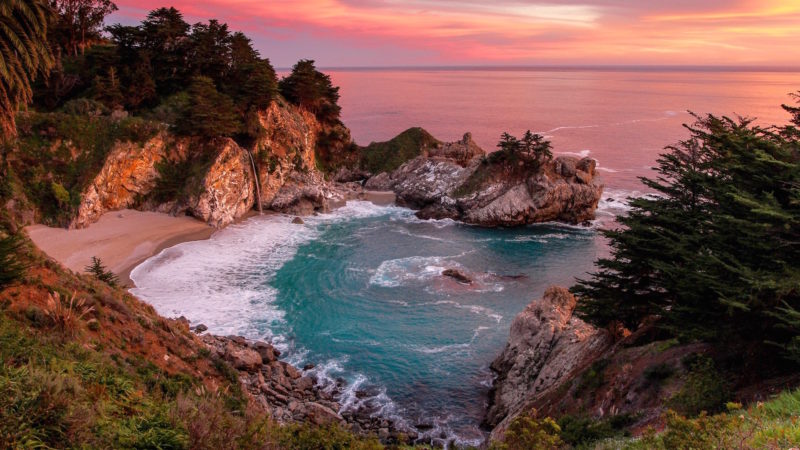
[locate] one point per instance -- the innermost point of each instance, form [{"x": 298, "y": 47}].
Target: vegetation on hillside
[
  {"x": 387, "y": 156},
  {"x": 774, "y": 424}
]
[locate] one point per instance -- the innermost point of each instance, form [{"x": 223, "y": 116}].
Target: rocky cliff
[
  {"x": 221, "y": 184},
  {"x": 460, "y": 181},
  {"x": 559, "y": 365},
  {"x": 545, "y": 346}
]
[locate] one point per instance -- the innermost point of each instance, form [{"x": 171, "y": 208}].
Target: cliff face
[
  {"x": 559, "y": 365},
  {"x": 283, "y": 159},
  {"x": 546, "y": 344},
  {"x": 459, "y": 181},
  {"x": 128, "y": 173}
]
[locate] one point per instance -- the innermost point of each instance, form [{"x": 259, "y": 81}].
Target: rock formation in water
[{"x": 460, "y": 181}]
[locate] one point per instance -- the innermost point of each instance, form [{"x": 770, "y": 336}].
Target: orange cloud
[{"x": 515, "y": 31}]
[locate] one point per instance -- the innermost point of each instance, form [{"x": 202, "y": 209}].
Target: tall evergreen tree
[
  {"x": 313, "y": 90},
  {"x": 715, "y": 253},
  {"x": 209, "y": 113}
]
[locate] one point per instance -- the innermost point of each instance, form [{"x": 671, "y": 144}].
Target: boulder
[
  {"x": 242, "y": 358},
  {"x": 457, "y": 275}
]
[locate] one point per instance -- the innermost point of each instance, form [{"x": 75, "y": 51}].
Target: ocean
[{"x": 358, "y": 292}]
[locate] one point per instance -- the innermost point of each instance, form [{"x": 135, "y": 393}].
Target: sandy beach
[
  {"x": 121, "y": 239},
  {"x": 124, "y": 239}
]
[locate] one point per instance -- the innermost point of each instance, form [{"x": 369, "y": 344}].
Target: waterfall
[{"x": 258, "y": 184}]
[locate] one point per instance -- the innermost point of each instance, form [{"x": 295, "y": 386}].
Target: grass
[{"x": 387, "y": 156}]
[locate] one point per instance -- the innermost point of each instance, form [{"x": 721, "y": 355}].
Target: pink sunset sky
[{"x": 339, "y": 33}]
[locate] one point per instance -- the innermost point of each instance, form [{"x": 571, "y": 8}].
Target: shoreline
[{"x": 124, "y": 239}]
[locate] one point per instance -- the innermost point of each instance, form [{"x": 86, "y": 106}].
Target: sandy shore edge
[{"x": 126, "y": 238}]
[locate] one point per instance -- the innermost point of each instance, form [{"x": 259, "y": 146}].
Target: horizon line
[{"x": 569, "y": 67}]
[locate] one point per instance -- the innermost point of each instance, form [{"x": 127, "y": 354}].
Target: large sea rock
[{"x": 458, "y": 181}]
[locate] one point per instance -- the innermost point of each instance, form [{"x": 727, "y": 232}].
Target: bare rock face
[
  {"x": 462, "y": 152},
  {"x": 283, "y": 163},
  {"x": 456, "y": 182},
  {"x": 286, "y": 149},
  {"x": 129, "y": 172},
  {"x": 546, "y": 345},
  {"x": 227, "y": 190}
]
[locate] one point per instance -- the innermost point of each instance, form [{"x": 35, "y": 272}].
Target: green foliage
[
  {"x": 330, "y": 437},
  {"x": 715, "y": 253},
  {"x": 99, "y": 271},
  {"x": 387, "y": 156},
  {"x": 514, "y": 158},
  {"x": 84, "y": 107},
  {"x": 178, "y": 179},
  {"x": 12, "y": 267},
  {"x": 592, "y": 379},
  {"x": 312, "y": 90},
  {"x": 658, "y": 373},
  {"x": 582, "y": 432},
  {"x": 704, "y": 388},
  {"x": 208, "y": 113},
  {"x": 527, "y": 431}
]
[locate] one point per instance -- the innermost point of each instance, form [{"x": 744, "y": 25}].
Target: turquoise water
[{"x": 359, "y": 293}]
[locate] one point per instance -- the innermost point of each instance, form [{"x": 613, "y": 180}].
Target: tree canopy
[{"x": 714, "y": 253}]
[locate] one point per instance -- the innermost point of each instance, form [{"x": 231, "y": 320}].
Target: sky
[{"x": 392, "y": 33}]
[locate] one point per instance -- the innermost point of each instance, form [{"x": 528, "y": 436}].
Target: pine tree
[
  {"x": 100, "y": 272},
  {"x": 209, "y": 113},
  {"x": 716, "y": 252},
  {"x": 313, "y": 90}
]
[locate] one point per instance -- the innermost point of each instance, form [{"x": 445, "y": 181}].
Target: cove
[{"x": 359, "y": 294}]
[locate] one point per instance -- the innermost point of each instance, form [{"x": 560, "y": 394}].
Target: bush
[
  {"x": 99, "y": 271},
  {"x": 84, "y": 107},
  {"x": 527, "y": 431},
  {"x": 580, "y": 432},
  {"x": 703, "y": 390}
]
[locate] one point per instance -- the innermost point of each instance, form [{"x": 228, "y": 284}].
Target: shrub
[
  {"x": 703, "y": 390},
  {"x": 528, "y": 432},
  {"x": 84, "y": 107},
  {"x": 64, "y": 314},
  {"x": 658, "y": 373},
  {"x": 100, "y": 272},
  {"x": 582, "y": 431},
  {"x": 593, "y": 378}
]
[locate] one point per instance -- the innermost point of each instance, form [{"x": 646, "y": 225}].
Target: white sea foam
[{"x": 396, "y": 272}]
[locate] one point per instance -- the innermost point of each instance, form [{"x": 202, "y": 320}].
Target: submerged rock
[
  {"x": 457, "y": 275},
  {"x": 298, "y": 221}
]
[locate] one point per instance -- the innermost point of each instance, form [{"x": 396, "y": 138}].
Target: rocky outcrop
[
  {"x": 293, "y": 395},
  {"x": 278, "y": 387},
  {"x": 457, "y": 181},
  {"x": 227, "y": 190},
  {"x": 462, "y": 152},
  {"x": 547, "y": 344},
  {"x": 558, "y": 365},
  {"x": 128, "y": 174},
  {"x": 285, "y": 170}
]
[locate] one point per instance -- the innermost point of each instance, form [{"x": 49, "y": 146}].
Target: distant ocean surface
[{"x": 358, "y": 292}]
